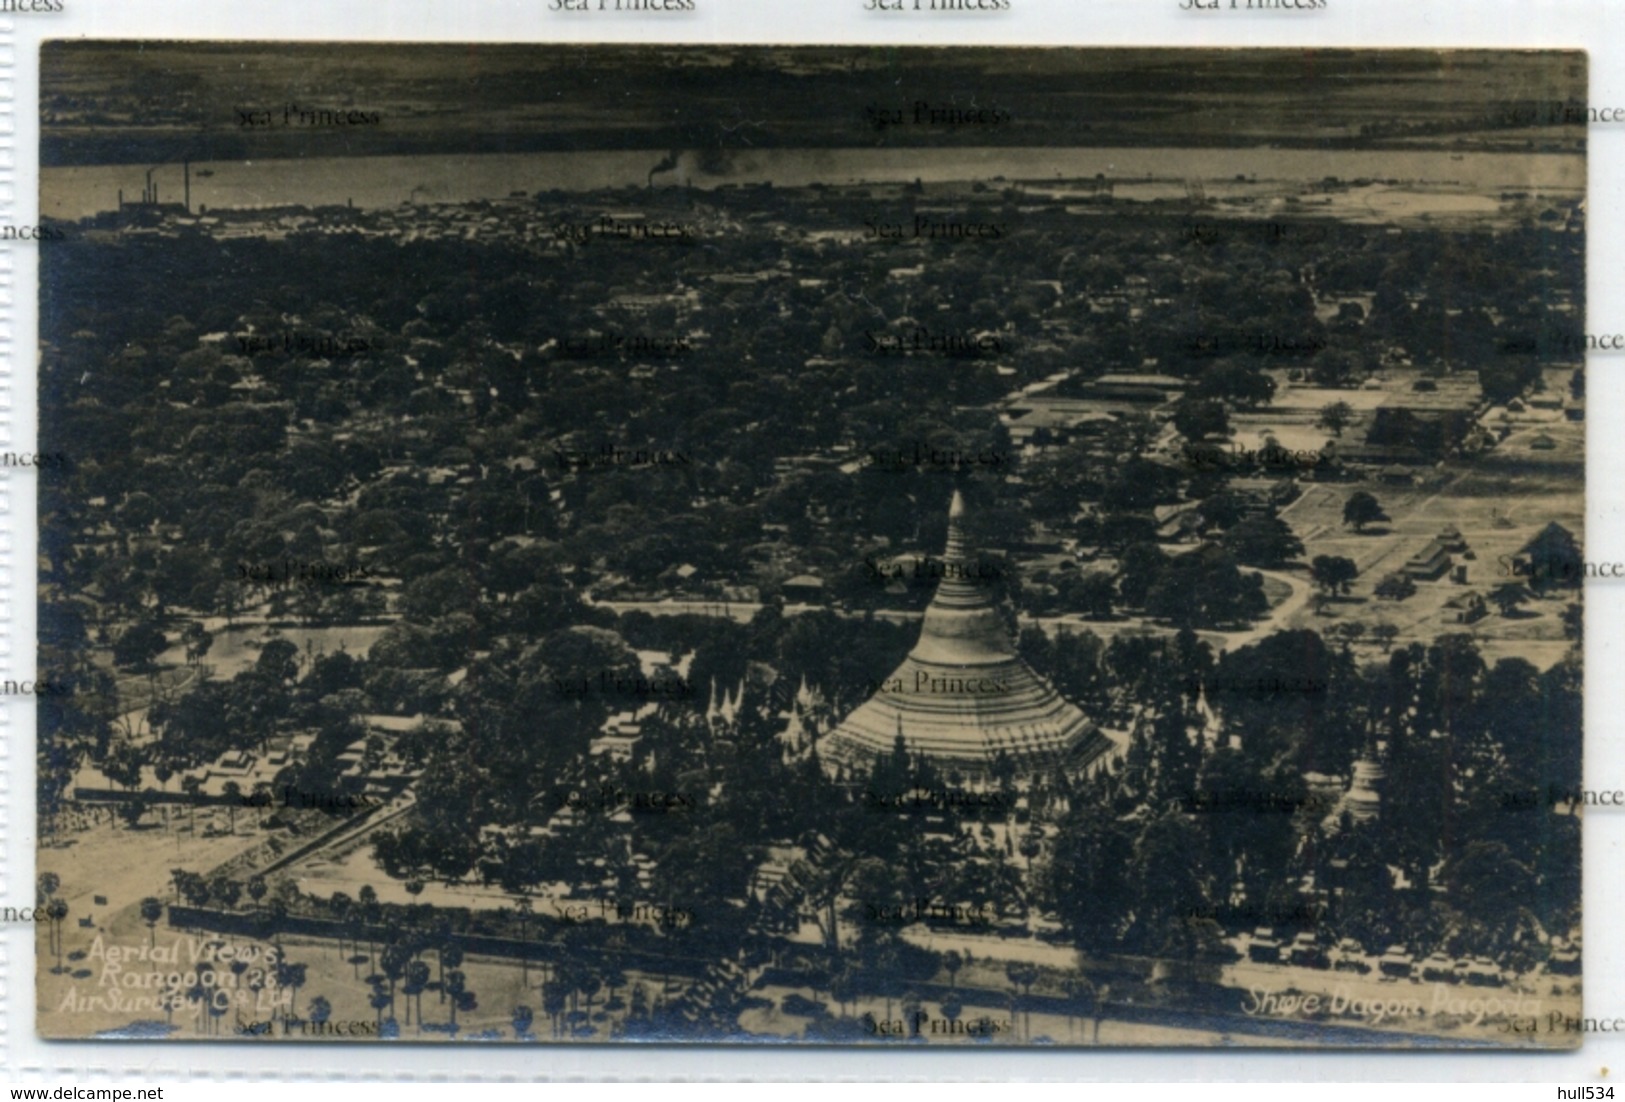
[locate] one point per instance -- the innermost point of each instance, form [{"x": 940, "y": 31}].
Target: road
[{"x": 742, "y": 612}]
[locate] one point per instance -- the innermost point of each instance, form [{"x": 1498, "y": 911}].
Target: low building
[
  {"x": 1465, "y": 608},
  {"x": 1430, "y": 564},
  {"x": 804, "y": 589},
  {"x": 1150, "y": 389},
  {"x": 620, "y": 747}
]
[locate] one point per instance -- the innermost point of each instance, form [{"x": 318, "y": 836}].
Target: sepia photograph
[{"x": 831, "y": 545}]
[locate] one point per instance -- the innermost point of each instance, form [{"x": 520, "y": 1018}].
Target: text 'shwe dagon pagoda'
[{"x": 964, "y": 695}]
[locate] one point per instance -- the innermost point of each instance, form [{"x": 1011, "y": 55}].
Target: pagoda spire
[{"x": 963, "y": 696}]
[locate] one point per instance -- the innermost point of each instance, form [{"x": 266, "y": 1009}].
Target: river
[{"x": 73, "y": 192}]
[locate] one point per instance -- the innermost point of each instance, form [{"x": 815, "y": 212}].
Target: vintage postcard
[{"x": 827, "y": 545}]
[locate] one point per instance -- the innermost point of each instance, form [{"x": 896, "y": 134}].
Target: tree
[
  {"x": 555, "y": 998},
  {"x": 1237, "y": 383},
  {"x": 197, "y": 642},
  {"x": 1334, "y": 368},
  {"x": 451, "y": 958},
  {"x": 1573, "y": 617},
  {"x": 1554, "y": 560},
  {"x": 1205, "y": 589},
  {"x": 1166, "y": 879},
  {"x": 1509, "y": 595},
  {"x": 226, "y": 890},
  {"x": 278, "y": 662},
  {"x": 1385, "y": 634},
  {"x": 139, "y": 645},
  {"x": 1023, "y": 976},
  {"x": 1263, "y": 540},
  {"x": 1334, "y": 574},
  {"x": 454, "y": 987},
  {"x": 417, "y": 981},
  {"x": 1335, "y": 417},
  {"x": 57, "y": 911},
  {"x": 151, "y": 911},
  {"x": 1197, "y": 419},
  {"x": 523, "y": 1017},
  {"x": 1362, "y": 509},
  {"x": 234, "y": 796},
  {"x": 1139, "y": 484},
  {"x": 1396, "y": 587}
]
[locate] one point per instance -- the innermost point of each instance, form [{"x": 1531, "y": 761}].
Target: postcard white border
[{"x": 1597, "y": 26}]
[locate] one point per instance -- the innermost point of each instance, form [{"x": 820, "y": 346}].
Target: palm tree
[
  {"x": 197, "y": 993},
  {"x": 417, "y": 978},
  {"x": 319, "y": 1010},
  {"x": 614, "y": 977},
  {"x": 353, "y": 926},
  {"x": 1076, "y": 988},
  {"x": 523, "y": 1017},
  {"x": 162, "y": 770},
  {"x": 294, "y": 977},
  {"x": 339, "y": 906},
  {"x": 56, "y": 911},
  {"x": 276, "y": 917},
  {"x": 455, "y": 985},
  {"x": 378, "y": 1001},
  {"x": 256, "y": 889},
  {"x": 1385, "y": 634},
  {"x": 151, "y": 911},
  {"x": 451, "y": 956},
  {"x": 591, "y": 984},
  {"x": 191, "y": 785},
  {"x": 226, "y": 890},
  {"x": 196, "y": 890},
  {"x": 523, "y": 906},
  {"x": 393, "y": 961},
  {"x": 554, "y": 1000},
  {"x": 262, "y": 798},
  {"x": 639, "y": 1010},
  {"x": 1023, "y": 976},
  {"x": 886, "y": 962},
  {"x": 234, "y": 796},
  {"x": 910, "y": 1006},
  {"x": 369, "y": 912},
  {"x": 171, "y": 1000},
  {"x": 952, "y": 962},
  {"x": 1031, "y": 846}
]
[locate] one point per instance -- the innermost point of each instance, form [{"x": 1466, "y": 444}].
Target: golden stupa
[{"x": 964, "y": 695}]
